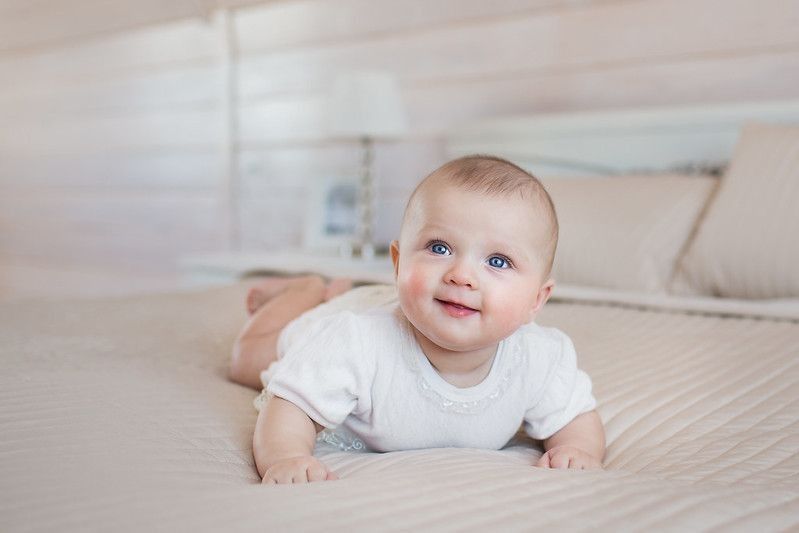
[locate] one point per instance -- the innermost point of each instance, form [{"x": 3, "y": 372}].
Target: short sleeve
[
  {"x": 326, "y": 373},
  {"x": 565, "y": 395}
]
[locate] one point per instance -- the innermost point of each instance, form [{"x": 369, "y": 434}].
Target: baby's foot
[
  {"x": 263, "y": 291},
  {"x": 337, "y": 286}
]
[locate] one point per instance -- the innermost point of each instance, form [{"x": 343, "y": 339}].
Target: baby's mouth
[{"x": 456, "y": 309}]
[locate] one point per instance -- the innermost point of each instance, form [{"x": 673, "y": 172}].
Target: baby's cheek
[
  {"x": 413, "y": 286},
  {"x": 509, "y": 320},
  {"x": 508, "y": 326}
]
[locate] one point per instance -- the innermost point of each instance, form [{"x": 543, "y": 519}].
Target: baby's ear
[
  {"x": 544, "y": 292},
  {"x": 394, "y": 249}
]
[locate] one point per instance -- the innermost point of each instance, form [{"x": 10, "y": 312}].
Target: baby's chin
[{"x": 454, "y": 344}]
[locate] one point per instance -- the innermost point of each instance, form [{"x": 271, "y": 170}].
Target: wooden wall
[
  {"x": 111, "y": 160},
  {"x": 113, "y": 150}
]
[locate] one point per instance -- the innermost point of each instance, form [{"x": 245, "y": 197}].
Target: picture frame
[{"x": 331, "y": 216}]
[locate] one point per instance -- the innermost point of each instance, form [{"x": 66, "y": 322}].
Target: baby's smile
[{"x": 456, "y": 309}]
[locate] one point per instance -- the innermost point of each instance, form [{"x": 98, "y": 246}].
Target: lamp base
[{"x": 364, "y": 251}]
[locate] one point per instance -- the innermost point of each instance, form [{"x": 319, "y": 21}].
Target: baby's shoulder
[
  {"x": 549, "y": 359},
  {"x": 362, "y": 327},
  {"x": 383, "y": 322},
  {"x": 364, "y": 298},
  {"x": 543, "y": 341}
]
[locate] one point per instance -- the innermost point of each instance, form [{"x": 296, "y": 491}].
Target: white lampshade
[{"x": 366, "y": 104}]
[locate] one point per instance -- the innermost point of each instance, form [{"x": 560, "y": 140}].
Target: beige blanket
[{"x": 116, "y": 415}]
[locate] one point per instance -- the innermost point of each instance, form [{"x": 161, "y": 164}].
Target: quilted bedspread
[{"x": 115, "y": 414}]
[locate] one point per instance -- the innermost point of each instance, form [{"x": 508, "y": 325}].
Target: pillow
[
  {"x": 747, "y": 245},
  {"x": 625, "y": 232}
]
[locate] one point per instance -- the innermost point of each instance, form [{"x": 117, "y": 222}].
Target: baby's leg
[
  {"x": 267, "y": 288},
  {"x": 264, "y": 290},
  {"x": 337, "y": 286},
  {"x": 256, "y": 346}
]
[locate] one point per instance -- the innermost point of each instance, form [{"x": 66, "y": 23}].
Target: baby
[{"x": 451, "y": 357}]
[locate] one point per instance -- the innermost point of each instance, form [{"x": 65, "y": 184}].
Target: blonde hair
[{"x": 495, "y": 176}]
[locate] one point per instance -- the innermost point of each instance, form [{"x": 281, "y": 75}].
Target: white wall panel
[
  {"x": 590, "y": 37},
  {"x": 112, "y": 156},
  {"x": 167, "y": 169},
  {"x": 153, "y": 47},
  {"x": 34, "y": 23},
  {"x": 179, "y": 87},
  {"x": 271, "y": 218},
  {"x": 293, "y": 24},
  {"x": 434, "y": 107},
  {"x": 761, "y": 76},
  {"x": 293, "y": 166},
  {"x": 283, "y": 120},
  {"x": 171, "y": 129},
  {"x": 111, "y": 149},
  {"x": 145, "y": 231}
]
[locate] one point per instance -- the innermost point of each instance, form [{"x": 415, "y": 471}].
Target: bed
[{"x": 116, "y": 413}]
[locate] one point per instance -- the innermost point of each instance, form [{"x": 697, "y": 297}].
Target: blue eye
[
  {"x": 497, "y": 261},
  {"x": 438, "y": 248}
]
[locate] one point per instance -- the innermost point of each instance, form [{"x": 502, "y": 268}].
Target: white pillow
[
  {"x": 625, "y": 232},
  {"x": 747, "y": 246}
]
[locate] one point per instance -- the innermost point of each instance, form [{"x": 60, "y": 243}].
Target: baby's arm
[
  {"x": 579, "y": 444},
  {"x": 283, "y": 445}
]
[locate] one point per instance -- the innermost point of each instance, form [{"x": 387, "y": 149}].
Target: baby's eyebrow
[
  {"x": 512, "y": 252},
  {"x": 434, "y": 227},
  {"x": 509, "y": 250}
]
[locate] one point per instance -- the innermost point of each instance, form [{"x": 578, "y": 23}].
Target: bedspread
[{"x": 116, "y": 414}]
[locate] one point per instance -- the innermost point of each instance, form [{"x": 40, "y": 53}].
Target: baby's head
[{"x": 475, "y": 252}]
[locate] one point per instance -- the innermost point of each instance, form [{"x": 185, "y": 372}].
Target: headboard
[{"x": 684, "y": 139}]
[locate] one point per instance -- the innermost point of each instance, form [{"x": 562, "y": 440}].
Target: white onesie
[{"x": 354, "y": 363}]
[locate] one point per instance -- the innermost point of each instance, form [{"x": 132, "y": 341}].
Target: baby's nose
[{"x": 460, "y": 274}]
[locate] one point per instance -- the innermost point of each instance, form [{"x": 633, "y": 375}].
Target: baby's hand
[
  {"x": 568, "y": 457},
  {"x": 298, "y": 470}
]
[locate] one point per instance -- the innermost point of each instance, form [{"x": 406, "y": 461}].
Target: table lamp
[{"x": 366, "y": 106}]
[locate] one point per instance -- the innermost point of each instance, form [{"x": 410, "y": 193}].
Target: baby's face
[{"x": 469, "y": 266}]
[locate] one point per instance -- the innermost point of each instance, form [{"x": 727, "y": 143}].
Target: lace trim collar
[{"x": 449, "y": 398}]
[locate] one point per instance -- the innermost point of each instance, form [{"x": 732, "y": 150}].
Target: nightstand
[{"x": 228, "y": 267}]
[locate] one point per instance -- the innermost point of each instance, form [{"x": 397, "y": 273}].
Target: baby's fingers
[
  {"x": 559, "y": 460},
  {"x": 554, "y": 459},
  {"x": 285, "y": 474},
  {"x": 317, "y": 473},
  {"x": 543, "y": 462},
  {"x": 586, "y": 463},
  {"x": 283, "y": 478},
  {"x": 296, "y": 471}
]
